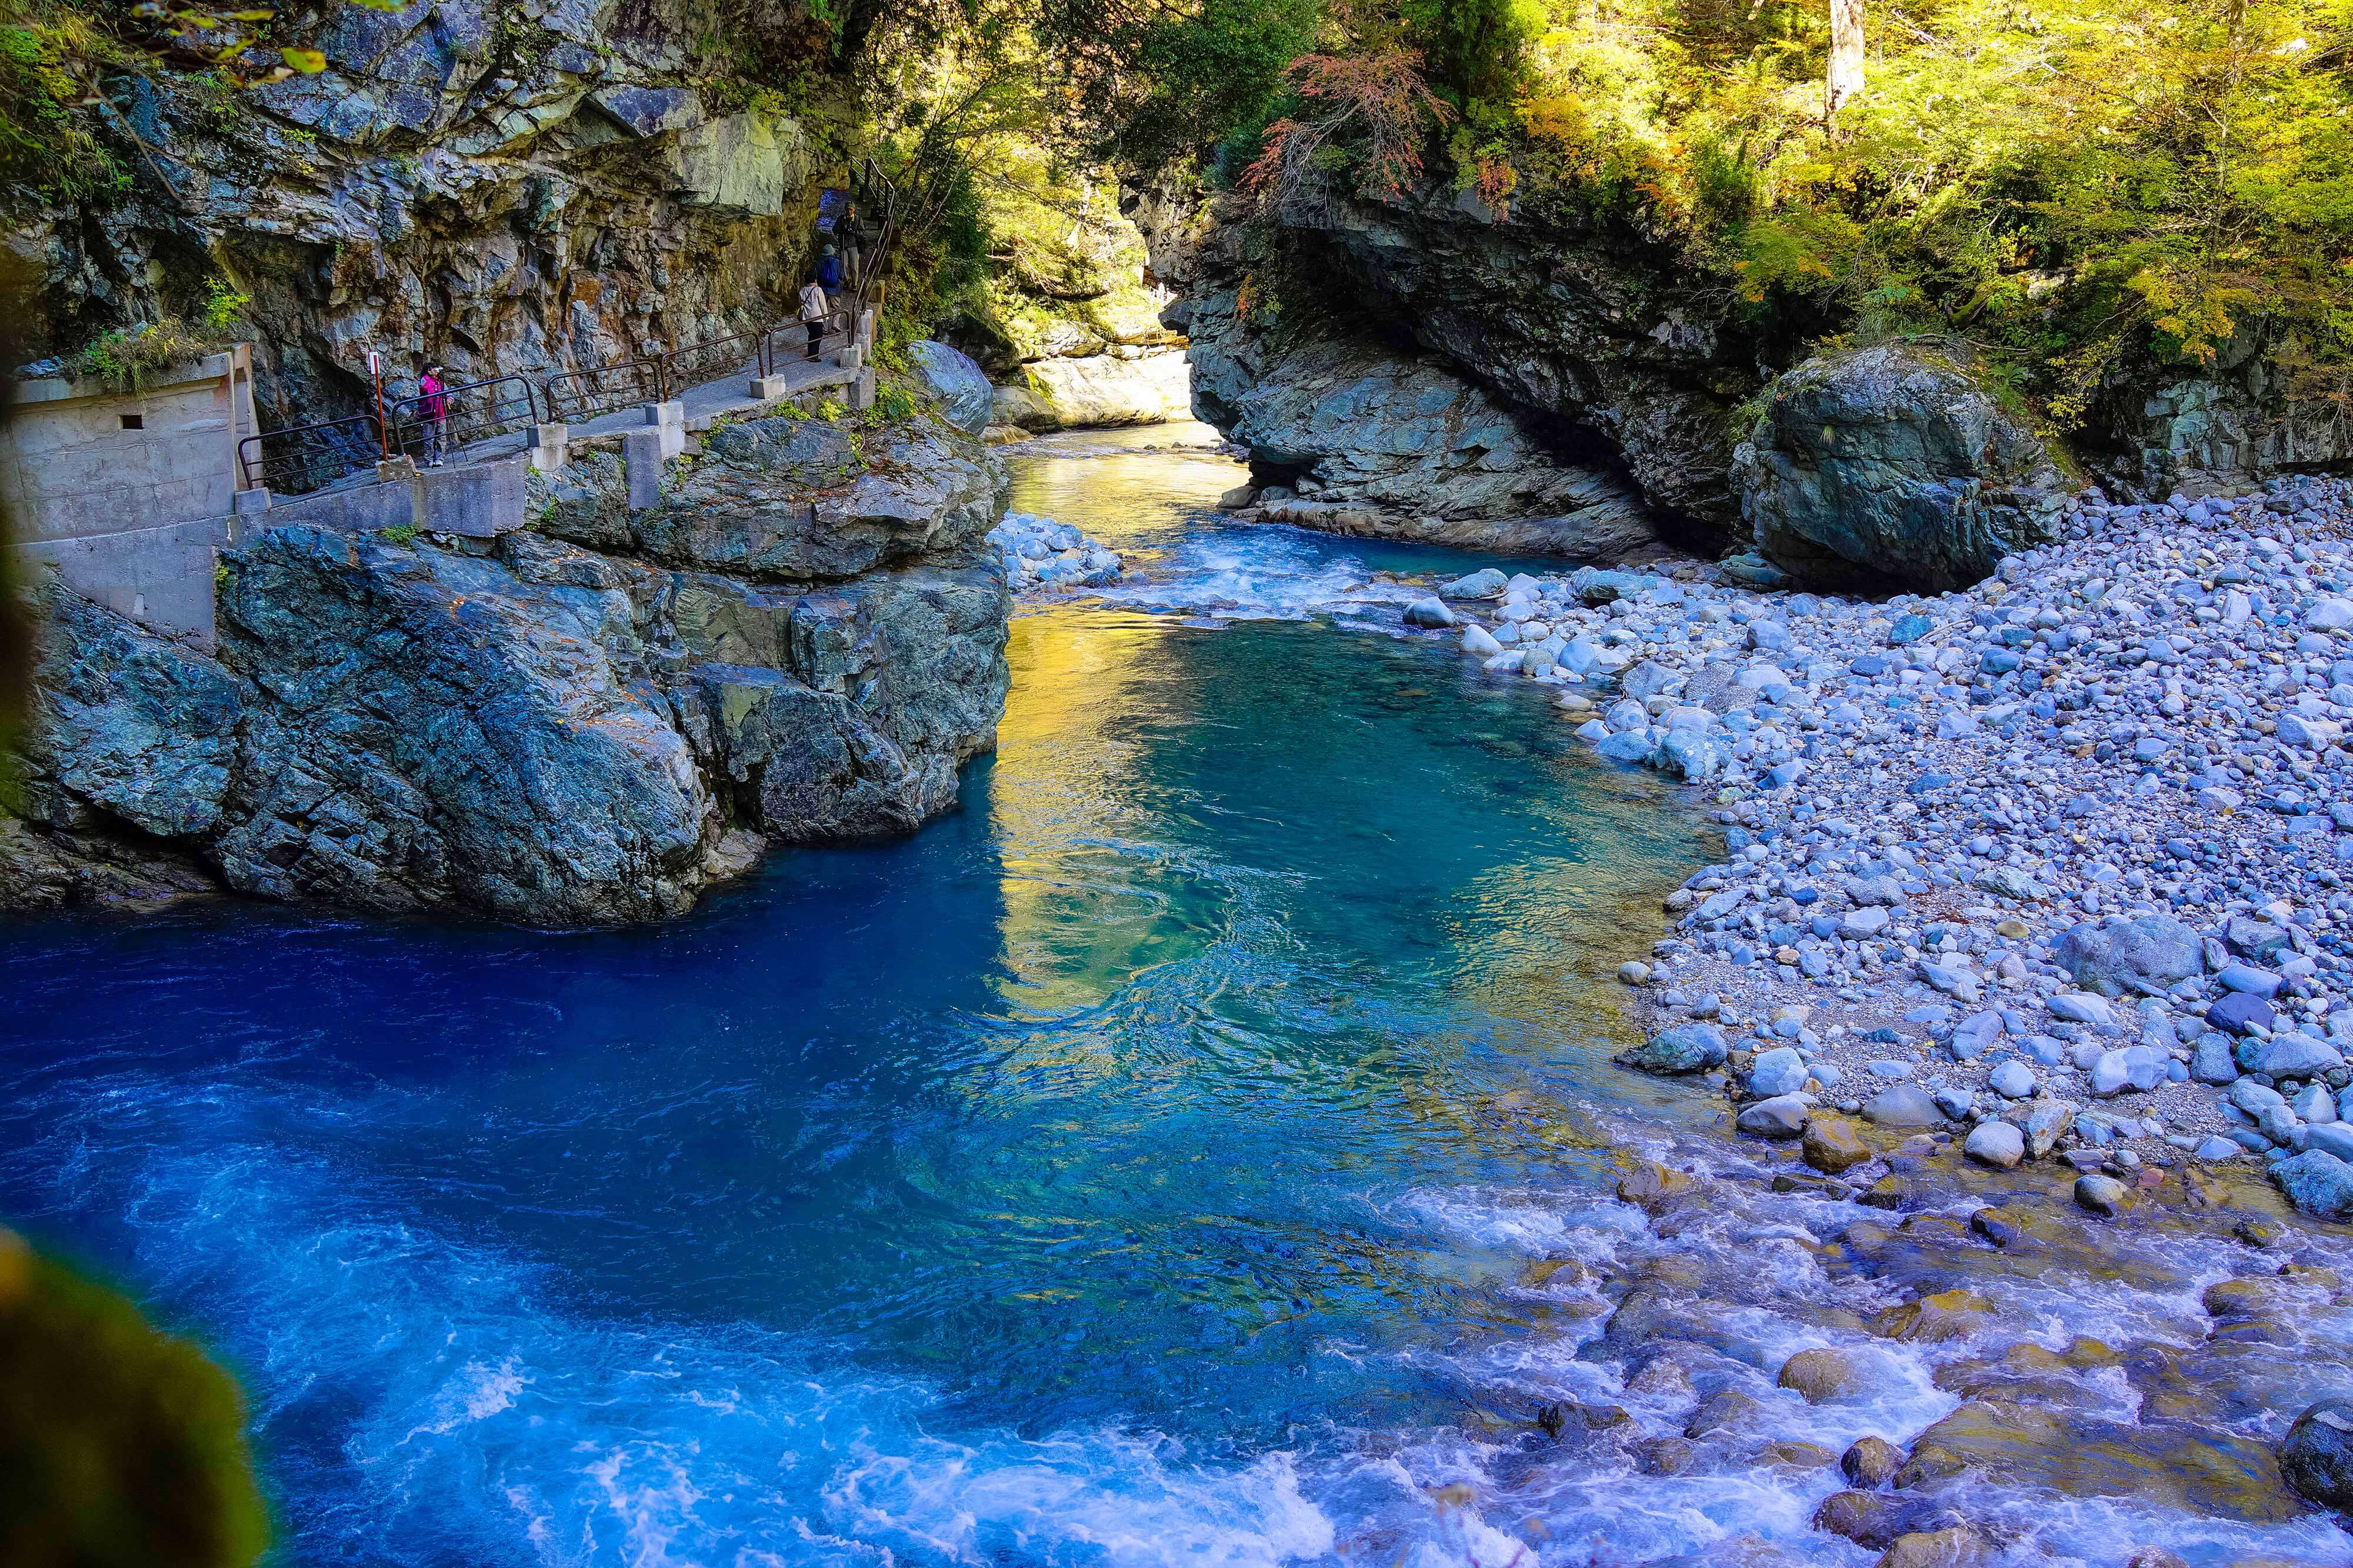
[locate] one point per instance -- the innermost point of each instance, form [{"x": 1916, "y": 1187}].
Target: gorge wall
[
  {"x": 1423, "y": 362},
  {"x": 501, "y": 185},
  {"x": 591, "y": 720}
]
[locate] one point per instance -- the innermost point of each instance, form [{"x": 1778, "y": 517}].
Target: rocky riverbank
[
  {"x": 799, "y": 637},
  {"x": 2026, "y": 985},
  {"x": 2052, "y": 867}
]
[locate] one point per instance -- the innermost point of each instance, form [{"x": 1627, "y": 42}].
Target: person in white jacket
[{"x": 813, "y": 311}]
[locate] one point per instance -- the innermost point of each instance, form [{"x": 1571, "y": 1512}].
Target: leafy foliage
[
  {"x": 125, "y": 358},
  {"x": 119, "y": 1446},
  {"x": 2070, "y": 184},
  {"x": 1369, "y": 113}
]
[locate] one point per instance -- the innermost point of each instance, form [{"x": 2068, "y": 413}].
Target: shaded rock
[
  {"x": 560, "y": 736},
  {"x": 1390, "y": 445},
  {"x": 1870, "y": 1462},
  {"x": 1877, "y": 1521},
  {"x": 2317, "y": 1182},
  {"x": 1882, "y": 464}
]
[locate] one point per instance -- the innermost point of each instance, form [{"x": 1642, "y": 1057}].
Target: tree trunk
[{"x": 1846, "y": 55}]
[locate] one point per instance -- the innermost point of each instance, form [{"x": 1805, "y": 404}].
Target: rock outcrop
[
  {"x": 1350, "y": 437},
  {"x": 1597, "y": 334},
  {"x": 589, "y": 721},
  {"x": 497, "y": 185},
  {"x": 1886, "y": 466},
  {"x": 951, "y": 375}
]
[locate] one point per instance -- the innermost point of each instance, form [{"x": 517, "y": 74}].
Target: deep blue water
[{"x": 1068, "y": 1184}]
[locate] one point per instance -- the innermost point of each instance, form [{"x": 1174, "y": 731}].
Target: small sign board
[{"x": 832, "y": 203}]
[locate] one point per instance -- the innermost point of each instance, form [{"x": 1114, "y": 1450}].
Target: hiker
[
  {"x": 813, "y": 311},
  {"x": 828, "y": 271},
  {"x": 433, "y": 407}
]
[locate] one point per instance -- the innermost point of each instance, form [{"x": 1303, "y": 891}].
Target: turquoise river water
[{"x": 1144, "y": 1164}]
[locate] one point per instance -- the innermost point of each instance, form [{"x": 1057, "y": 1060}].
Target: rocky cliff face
[
  {"x": 502, "y": 185},
  {"x": 1624, "y": 357},
  {"x": 1595, "y": 352},
  {"x": 1355, "y": 426},
  {"x": 799, "y": 641}
]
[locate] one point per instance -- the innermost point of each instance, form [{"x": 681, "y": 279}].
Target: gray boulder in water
[
  {"x": 2317, "y": 1182},
  {"x": 1887, "y": 466},
  {"x": 964, "y": 391},
  {"x": 2316, "y": 1456},
  {"x": 1686, "y": 1047}
]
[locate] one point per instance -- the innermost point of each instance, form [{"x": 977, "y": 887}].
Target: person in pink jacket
[{"x": 433, "y": 409}]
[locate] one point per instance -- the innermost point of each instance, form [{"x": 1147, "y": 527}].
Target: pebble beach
[{"x": 2053, "y": 868}]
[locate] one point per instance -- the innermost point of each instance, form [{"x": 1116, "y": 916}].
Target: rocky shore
[
  {"x": 797, "y": 638},
  {"x": 2052, "y": 867}
]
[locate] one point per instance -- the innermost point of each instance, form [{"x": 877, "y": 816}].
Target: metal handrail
[
  {"x": 580, "y": 385},
  {"x": 787, "y": 341},
  {"x": 316, "y": 460},
  {"x": 755, "y": 341},
  {"x": 474, "y": 411}
]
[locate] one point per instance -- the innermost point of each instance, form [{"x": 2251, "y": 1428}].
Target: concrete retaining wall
[{"x": 79, "y": 460}]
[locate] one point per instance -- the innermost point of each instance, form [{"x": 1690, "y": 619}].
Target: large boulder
[
  {"x": 2148, "y": 953},
  {"x": 589, "y": 721},
  {"x": 2316, "y": 1458},
  {"x": 1685, "y": 1048},
  {"x": 949, "y": 375},
  {"x": 1886, "y": 465},
  {"x": 2317, "y": 1182}
]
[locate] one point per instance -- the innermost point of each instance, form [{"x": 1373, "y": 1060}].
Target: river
[{"x": 1200, "y": 1149}]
